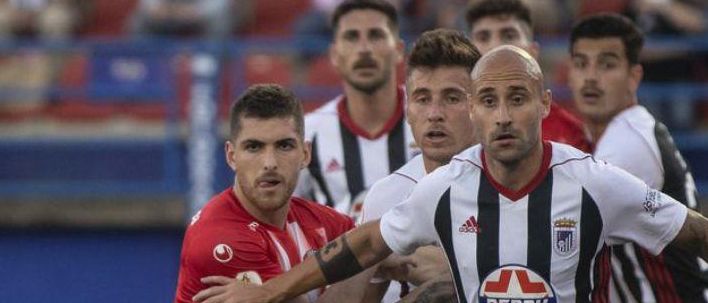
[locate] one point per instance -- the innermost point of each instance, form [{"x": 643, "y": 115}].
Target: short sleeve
[
  {"x": 635, "y": 212},
  {"x": 384, "y": 195},
  {"x": 410, "y": 224}
]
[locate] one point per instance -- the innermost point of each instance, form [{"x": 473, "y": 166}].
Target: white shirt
[{"x": 548, "y": 234}]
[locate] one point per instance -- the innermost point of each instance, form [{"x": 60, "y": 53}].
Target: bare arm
[
  {"x": 342, "y": 258},
  {"x": 348, "y": 291},
  {"x": 693, "y": 236}
]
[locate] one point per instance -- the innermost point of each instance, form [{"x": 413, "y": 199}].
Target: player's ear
[
  {"x": 307, "y": 149},
  {"x": 546, "y": 100},
  {"x": 230, "y": 153}
]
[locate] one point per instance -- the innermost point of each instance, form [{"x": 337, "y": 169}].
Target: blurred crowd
[{"x": 60, "y": 21}]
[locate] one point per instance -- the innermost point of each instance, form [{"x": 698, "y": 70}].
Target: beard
[{"x": 371, "y": 86}]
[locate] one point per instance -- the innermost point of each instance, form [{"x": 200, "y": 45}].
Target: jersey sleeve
[
  {"x": 384, "y": 195},
  {"x": 633, "y": 211},
  {"x": 410, "y": 224}
]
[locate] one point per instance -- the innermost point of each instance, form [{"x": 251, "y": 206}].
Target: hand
[
  {"x": 231, "y": 290},
  {"x": 395, "y": 268},
  {"x": 430, "y": 263}
]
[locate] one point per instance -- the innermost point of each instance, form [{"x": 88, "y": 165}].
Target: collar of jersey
[
  {"x": 355, "y": 129},
  {"x": 529, "y": 187}
]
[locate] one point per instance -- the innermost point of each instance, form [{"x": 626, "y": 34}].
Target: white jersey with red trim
[
  {"x": 636, "y": 142},
  {"x": 541, "y": 242},
  {"x": 346, "y": 161},
  {"x": 383, "y": 196}
]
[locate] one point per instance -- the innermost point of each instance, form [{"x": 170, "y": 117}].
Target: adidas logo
[
  {"x": 470, "y": 226},
  {"x": 333, "y": 166}
]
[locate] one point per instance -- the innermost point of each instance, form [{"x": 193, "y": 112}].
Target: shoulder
[
  {"x": 564, "y": 155},
  {"x": 392, "y": 189},
  {"x": 312, "y": 213},
  {"x": 468, "y": 159},
  {"x": 323, "y": 115},
  {"x": 633, "y": 126}
]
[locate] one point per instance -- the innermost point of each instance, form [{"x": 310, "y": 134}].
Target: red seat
[
  {"x": 109, "y": 17},
  {"x": 260, "y": 68},
  {"x": 275, "y": 17},
  {"x": 321, "y": 72}
]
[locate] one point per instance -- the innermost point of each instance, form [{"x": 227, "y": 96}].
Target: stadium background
[{"x": 103, "y": 161}]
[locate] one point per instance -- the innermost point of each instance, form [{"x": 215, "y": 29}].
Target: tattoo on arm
[{"x": 337, "y": 260}]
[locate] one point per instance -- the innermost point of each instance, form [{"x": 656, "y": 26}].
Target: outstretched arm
[
  {"x": 693, "y": 236},
  {"x": 342, "y": 258}
]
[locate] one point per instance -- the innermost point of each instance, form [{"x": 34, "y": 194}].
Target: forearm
[
  {"x": 342, "y": 258},
  {"x": 693, "y": 236}
]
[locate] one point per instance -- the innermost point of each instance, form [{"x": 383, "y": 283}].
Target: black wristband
[{"x": 341, "y": 266}]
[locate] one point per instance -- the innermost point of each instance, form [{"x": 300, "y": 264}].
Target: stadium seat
[
  {"x": 262, "y": 68},
  {"x": 109, "y": 17},
  {"x": 275, "y": 17},
  {"x": 321, "y": 72}
]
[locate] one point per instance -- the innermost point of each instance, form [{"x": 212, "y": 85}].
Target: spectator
[{"x": 211, "y": 18}]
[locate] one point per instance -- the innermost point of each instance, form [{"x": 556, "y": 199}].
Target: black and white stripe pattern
[
  {"x": 554, "y": 228},
  {"x": 345, "y": 163}
]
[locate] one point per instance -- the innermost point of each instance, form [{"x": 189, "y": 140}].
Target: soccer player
[
  {"x": 519, "y": 218},
  {"x": 360, "y": 136},
  {"x": 255, "y": 230},
  {"x": 437, "y": 86},
  {"x": 604, "y": 77},
  {"x": 492, "y": 23}
]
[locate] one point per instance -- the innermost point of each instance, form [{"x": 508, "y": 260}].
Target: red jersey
[
  {"x": 224, "y": 239},
  {"x": 562, "y": 127}
]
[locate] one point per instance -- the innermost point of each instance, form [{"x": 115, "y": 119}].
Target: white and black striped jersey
[
  {"x": 346, "y": 160},
  {"x": 540, "y": 243},
  {"x": 637, "y": 143},
  {"x": 383, "y": 196}
]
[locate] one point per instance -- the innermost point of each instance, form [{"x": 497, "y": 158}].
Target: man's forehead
[
  {"x": 362, "y": 19},
  {"x": 497, "y": 21},
  {"x": 505, "y": 82},
  {"x": 448, "y": 76},
  {"x": 598, "y": 46},
  {"x": 267, "y": 128}
]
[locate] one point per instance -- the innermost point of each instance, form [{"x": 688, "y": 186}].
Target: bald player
[{"x": 518, "y": 217}]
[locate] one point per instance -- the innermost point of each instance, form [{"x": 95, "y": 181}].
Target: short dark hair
[
  {"x": 378, "y": 5},
  {"x": 443, "y": 47},
  {"x": 610, "y": 25},
  {"x": 488, "y": 8},
  {"x": 266, "y": 101}
]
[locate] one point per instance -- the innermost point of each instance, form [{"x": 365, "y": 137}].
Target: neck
[
  {"x": 371, "y": 112},
  {"x": 272, "y": 217},
  {"x": 431, "y": 165},
  {"x": 514, "y": 175},
  {"x": 597, "y": 127}
]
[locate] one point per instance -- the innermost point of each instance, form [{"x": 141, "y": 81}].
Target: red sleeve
[{"x": 222, "y": 252}]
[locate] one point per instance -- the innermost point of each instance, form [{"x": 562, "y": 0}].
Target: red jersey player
[
  {"x": 492, "y": 23},
  {"x": 256, "y": 230}
]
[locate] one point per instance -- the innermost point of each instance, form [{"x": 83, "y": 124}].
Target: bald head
[{"x": 507, "y": 61}]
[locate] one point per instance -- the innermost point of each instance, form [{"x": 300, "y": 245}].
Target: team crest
[
  {"x": 565, "y": 236},
  {"x": 515, "y": 283}
]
